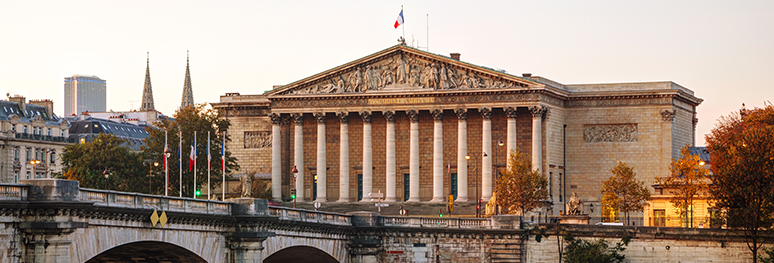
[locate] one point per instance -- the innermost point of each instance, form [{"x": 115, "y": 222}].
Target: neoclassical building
[{"x": 419, "y": 126}]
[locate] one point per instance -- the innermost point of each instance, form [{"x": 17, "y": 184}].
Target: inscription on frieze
[
  {"x": 401, "y": 101},
  {"x": 257, "y": 139},
  {"x": 594, "y": 133}
]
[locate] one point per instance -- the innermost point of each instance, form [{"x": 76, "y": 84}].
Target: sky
[{"x": 722, "y": 50}]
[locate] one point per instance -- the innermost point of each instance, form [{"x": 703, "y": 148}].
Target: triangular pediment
[{"x": 400, "y": 69}]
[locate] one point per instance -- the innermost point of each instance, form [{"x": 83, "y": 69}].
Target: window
[
  {"x": 53, "y": 157},
  {"x": 37, "y": 154},
  {"x": 16, "y": 153},
  {"x": 29, "y": 154},
  {"x": 13, "y": 128},
  {"x": 659, "y": 217},
  {"x": 25, "y": 128},
  {"x": 43, "y": 156},
  {"x": 63, "y": 135},
  {"x": 28, "y": 175},
  {"x": 15, "y": 177},
  {"x": 49, "y": 132}
]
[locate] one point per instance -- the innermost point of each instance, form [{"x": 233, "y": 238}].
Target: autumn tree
[
  {"x": 521, "y": 188},
  {"x": 688, "y": 178},
  {"x": 87, "y": 162},
  {"x": 186, "y": 121},
  {"x": 623, "y": 192},
  {"x": 742, "y": 150}
]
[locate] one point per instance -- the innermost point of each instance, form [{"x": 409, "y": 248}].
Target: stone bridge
[{"x": 50, "y": 220}]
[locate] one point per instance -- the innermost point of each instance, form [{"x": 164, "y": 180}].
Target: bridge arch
[
  {"x": 147, "y": 251},
  {"x": 300, "y": 254},
  {"x": 333, "y": 247}
]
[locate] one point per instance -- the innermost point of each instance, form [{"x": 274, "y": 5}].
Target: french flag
[
  {"x": 400, "y": 19},
  {"x": 223, "y": 154},
  {"x": 192, "y": 163},
  {"x": 209, "y": 156}
]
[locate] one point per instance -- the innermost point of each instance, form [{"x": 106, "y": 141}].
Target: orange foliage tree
[
  {"x": 521, "y": 188},
  {"x": 742, "y": 151},
  {"x": 688, "y": 178},
  {"x": 623, "y": 192}
]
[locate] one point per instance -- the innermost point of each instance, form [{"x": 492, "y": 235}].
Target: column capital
[
  {"x": 510, "y": 112},
  {"x": 437, "y": 114},
  {"x": 462, "y": 113},
  {"x": 366, "y": 116},
  {"x": 276, "y": 118},
  {"x": 320, "y": 116},
  {"x": 413, "y": 115},
  {"x": 389, "y": 115},
  {"x": 486, "y": 113},
  {"x": 538, "y": 111},
  {"x": 343, "y": 117},
  {"x": 668, "y": 115},
  {"x": 298, "y": 118},
  {"x": 695, "y": 121}
]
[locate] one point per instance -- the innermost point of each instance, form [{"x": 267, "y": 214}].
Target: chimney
[
  {"x": 48, "y": 104},
  {"x": 455, "y": 56},
  {"x": 21, "y": 100},
  {"x": 526, "y": 75}
]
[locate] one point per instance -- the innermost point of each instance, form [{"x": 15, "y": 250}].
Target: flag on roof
[{"x": 399, "y": 21}]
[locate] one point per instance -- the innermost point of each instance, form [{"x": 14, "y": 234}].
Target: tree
[
  {"x": 688, "y": 178},
  {"x": 186, "y": 121},
  {"x": 87, "y": 162},
  {"x": 520, "y": 188},
  {"x": 623, "y": 192},
  {"x": 742, "y": 150},
  {"x": 599, "y": 251}
]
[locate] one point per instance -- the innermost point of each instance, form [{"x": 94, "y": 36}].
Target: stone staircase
[{"x": 506, "y": 251}]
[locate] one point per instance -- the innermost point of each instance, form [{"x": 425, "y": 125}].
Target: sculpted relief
[
  {"x": 257, "y": 139},
  {"x": 610, "y": 133},
  {"x": 403, "y": 70}
]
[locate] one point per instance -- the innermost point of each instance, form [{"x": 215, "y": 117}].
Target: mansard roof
[
  {"x": 402, "y": 68},
  {"x": 9, "y": 108}
]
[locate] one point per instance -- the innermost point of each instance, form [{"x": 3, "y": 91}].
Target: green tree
[
  {"x": 599, "y": 251},
  {"x": 688, "y": 178},
  {"x": 87, "y": 162},
  {"x": 742, "y": 149},
  {"x": 623, "y": 192},
  {"x": 521, "y": 188},
  {"x": 186, "y": 121}
]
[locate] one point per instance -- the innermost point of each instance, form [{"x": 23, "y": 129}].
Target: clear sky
[{"x": 722, "y": 50}]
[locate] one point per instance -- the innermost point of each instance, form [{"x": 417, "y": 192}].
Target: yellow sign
[
  {"x": 154, "y": 218},
  {"x": 402, "y": 101},
  {"x": 163, "y": 219},
  {"x": 450, "y": 203}
]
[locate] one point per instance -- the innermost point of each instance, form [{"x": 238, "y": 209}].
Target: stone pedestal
[{"x": 575, "y": 219}]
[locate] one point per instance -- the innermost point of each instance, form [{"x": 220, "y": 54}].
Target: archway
[
  {"x": 300, "y": 254},
  {"x": 147, "y": 252}
]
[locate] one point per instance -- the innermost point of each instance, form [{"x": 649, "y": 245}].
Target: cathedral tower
[
  {"x": 147, "y": 90},
  {"x": 188, "y": 99}
]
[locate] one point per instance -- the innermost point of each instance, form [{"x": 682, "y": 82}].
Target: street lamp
[
  {"x": 150, "y": 175},
  {"x": 293, "y": 191},
  {"x": 167, "y": 153},
  {"x": 107, "y": 177},
  {"x": 478, "y": 198},
  {"x": 34, "y": 164},
  {"x": 497, "y": 174}
]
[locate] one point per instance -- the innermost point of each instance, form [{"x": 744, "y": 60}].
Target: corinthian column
[
  {"x": 276, "y": 156},
  {"x": 511, "y": 140},
  {"x": 343, "y": 157},
  {"x": 298, "y": 153},
  {"x": 437, "y": 155},
  {"x": 414, "y": 156},
  {"x": 538, "y": 112},
  {"x": 390, "y": 151},
  {"x": 462, "y": 150},
  {"x": 486, "y": 159},
  {"x": 367, "y": 156},
  {"x": 321, "y": 161}
]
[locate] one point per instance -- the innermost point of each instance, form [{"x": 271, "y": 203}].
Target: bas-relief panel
[
  {"x": 528, "y": 97},
  {"x": 402, "y": 71},
  {"x": 594, "y": 133},
  {"x": 257, "y": 139}
]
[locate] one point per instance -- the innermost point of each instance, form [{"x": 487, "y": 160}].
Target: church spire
[
  {"x": 147, "y": 90},
  {"x": 187, "y": 89}
]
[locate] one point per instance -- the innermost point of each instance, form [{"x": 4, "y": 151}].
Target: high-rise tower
[
  {"x": 84, "y": 93},
  {"x": 147, "y": 90},
  {"x": 188, "y": 99}
]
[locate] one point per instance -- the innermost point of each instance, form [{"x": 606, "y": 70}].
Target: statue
[
  {"x": 247, "y": 184},
  {"x": 575, "y": 205}
]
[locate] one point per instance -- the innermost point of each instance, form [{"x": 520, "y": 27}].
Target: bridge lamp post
[
  {"x": 475, "y": 170},
  {"x": 107, "y": 177},
  {"x": 167, "y": 153},
  {"x": 496, "y": 173},
  {"x": 293, "y": 190},
  {"x": 34, "y": 164},
  {"x": 150, "y": 175}
]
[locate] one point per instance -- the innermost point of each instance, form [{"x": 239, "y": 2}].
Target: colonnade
[{"x": 538, "y": 113}]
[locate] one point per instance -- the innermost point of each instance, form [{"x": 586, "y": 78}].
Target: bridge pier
[{"x": 247, "y": 247}]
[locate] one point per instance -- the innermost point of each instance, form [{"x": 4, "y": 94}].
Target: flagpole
[
  {"x": 208, "y": 165},
  {"x": 404, "y": 21},
  {"x": 166, "y": 165},
  {"x": 223, "y": 164},
  {"x": 195, "y": 156},
  {"x": 180, "y": 160}
]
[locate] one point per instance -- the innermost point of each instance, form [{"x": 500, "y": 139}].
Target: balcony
[{"x": 47, "y": 138}]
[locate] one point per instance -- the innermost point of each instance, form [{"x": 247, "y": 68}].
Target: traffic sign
[{"x": 382, "y": 205}]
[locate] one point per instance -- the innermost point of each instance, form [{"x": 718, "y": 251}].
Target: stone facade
[{"x": 583, "y": 130}]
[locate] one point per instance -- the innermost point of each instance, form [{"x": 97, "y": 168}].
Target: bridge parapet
[
  {"x": 437, "y": 222},
  {"x": 310, "y": 216},
  {"x": 144, "y": 201},
  {"x": 13, "y": 192}
]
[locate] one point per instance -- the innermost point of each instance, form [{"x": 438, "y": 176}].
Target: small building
[
  {"x": 31, "y": 139},
  {"x": 85, "y": 128},
  {"x": 661, "y": 212}
]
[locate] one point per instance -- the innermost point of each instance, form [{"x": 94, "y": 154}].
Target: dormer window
[
  {"x": 49, "y": 132},
  {"x": 13, "y": 128}
]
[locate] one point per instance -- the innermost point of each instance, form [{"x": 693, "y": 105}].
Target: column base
[
  {"x": 321, "y": 200},
  {"x": 344, "y": 200},
  {"x": 412, "y": 200},
  {"x": 437, "y": 200},
  {"x": 390, "y": 199},
  {"x": 461, "y": 199}
]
